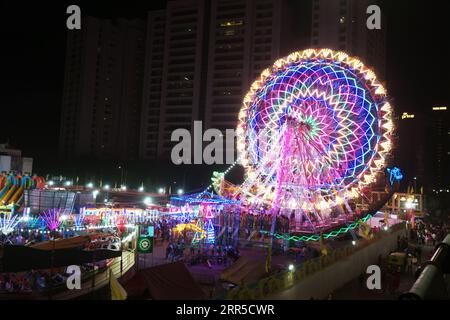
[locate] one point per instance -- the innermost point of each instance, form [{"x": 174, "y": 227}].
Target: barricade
[{"x": 287, "y": 279}]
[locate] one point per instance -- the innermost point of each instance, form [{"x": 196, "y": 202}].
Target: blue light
[{"x": 394, "y": 175}]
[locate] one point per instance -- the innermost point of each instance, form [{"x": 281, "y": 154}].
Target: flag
[
  {"x": 323, "y": 248},
  {"x": 117, "y": 291},
  {"x": 386, "y": 218},
  {"x": 364, "y": 230}
]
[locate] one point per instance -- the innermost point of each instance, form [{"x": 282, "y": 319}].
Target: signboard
[
  {"x": 145, "y": 240},
  {"x": 145, "y": 245},
  {"x": 151, "y": 231}
]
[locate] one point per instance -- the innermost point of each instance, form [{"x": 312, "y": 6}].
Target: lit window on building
[
  {"x": 406, "y": 115},
  {"x": 232, "y": 23},
  {"x": 230, "y": 33}
]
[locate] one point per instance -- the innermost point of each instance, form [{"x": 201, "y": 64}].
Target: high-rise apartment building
[
  {"x": 182, "y": 65},
  {"x": 439, "y": 148},
  {"x": 244, "y": 40},
  {"x": 174, "y": 65},
  {"x": 341, "y": 25},
  {"x": 102, "y": 93},
  {"x": 195, "y": 60},
  {"x": 212, "y": 52},
  {"x": 151, "y": 101},
  {"x": 409, "y": 148}
]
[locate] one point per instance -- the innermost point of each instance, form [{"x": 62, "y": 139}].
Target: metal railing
[
  {"x": 98, "y": 280},
  {"x": 287, "y": 279},
  {"x": 433, "y": 278}
]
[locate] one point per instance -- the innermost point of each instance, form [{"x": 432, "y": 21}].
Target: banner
[{"x": 117, "y": 291}]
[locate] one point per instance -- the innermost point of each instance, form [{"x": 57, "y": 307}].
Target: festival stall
[{"x": 214, "y": 219}]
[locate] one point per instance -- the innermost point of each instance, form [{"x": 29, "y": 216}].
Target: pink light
[{"x": 51, "y": 218}]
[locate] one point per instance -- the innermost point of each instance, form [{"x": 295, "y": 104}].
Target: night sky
[
  {"x": 33, "y": 50},
  {"x": 33, "y": 37}
]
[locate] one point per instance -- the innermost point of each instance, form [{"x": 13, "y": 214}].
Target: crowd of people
[
  {"x": 252, "y": 222},
  {"x": 164, "y": 227},
  {"x": 39, "y": 280},
  {"x": 175, "y": 251},
  {"x": 12, "y": 282},
  {"x": 246, "y": 221},
  {"x": 306, "y": 253},
  {"x": 25, "y": 236},
  {"x": 18, "y": 237},
  {"x": 429, "y": 233},
  {"x": 26, "y": 282},
  {"x": 212, "y": 253}
]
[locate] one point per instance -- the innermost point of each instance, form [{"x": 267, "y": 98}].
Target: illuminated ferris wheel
[{"x": 314, "y": 130}]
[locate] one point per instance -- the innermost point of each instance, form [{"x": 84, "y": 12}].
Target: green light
[
  {"x": 316, "y": 237},
  {"x": 145, "y": 244}
]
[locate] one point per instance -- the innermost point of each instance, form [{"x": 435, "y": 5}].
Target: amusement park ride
[
  {"x": 12, "y": 187},
  {"x": 314, "y": 135}
]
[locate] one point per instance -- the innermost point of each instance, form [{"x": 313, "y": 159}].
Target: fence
[
  {"x": 39, "y": 200},
  {"x": 287, "y": 279},
  {"x": 98, "y": 279},
  {"x": 433, "y": 281}
]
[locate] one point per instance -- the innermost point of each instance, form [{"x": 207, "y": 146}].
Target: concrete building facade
[
  {"x": 103, "y": 90},
  {"x": 341, "y": 25},
  {"x": 12, "y": 160},
  {"x": 201, "y": 58}
]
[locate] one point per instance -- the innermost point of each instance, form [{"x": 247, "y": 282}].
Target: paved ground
[
  {"x": 357, "y": 289},
  {"x": 208, "y": 276}
]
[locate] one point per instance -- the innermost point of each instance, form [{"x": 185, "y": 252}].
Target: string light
[
  {"x": 316, "y": 237},
  {"x": 319, "y": 120}
]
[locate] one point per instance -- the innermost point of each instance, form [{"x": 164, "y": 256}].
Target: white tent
[{"x": 378, "y": 220}]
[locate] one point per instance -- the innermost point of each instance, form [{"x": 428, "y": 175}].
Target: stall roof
[
  {"x": 203, "y": 197},
  {"x": 69, "y": 242},
  {"x": 244, "y": 270},
  {"x": 171, "y": 281},
  {"x": 20, "y": 258}
]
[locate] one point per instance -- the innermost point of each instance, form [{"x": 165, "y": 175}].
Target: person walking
[
  {"x": 409, "y": 268},
  {"x": 419, "y": 254}
]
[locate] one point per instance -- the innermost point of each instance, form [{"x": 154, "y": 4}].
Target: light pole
[
  {"x": 415, "y": 185},
  {"x": 121, "y": 174}
]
